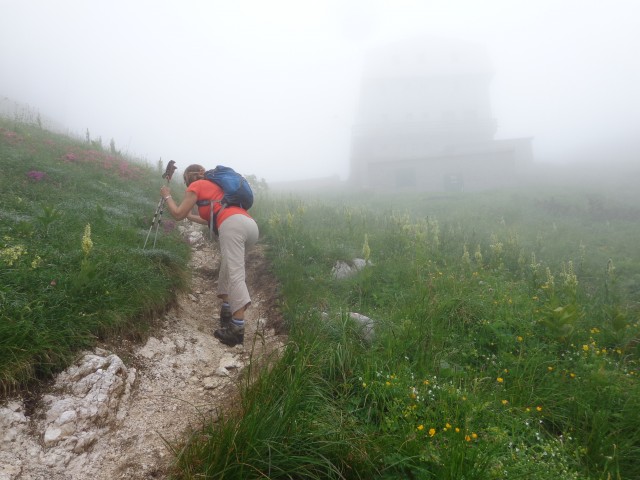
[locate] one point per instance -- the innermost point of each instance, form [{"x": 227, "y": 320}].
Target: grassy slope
[
  {"x": 489, "y": 364},
  {"x": 73, "y": 220}
]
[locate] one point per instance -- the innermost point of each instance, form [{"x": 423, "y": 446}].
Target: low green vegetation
[
  {"x": 506, "y": 342},
  {"x": 506, "y": 324},
  {"x": 73, "y": 271}
]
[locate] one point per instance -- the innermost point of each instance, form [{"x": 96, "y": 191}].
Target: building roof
[{"x": 426, "y": 56}]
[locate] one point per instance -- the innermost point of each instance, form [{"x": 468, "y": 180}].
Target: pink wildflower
[{"x": 36, "y": 175}]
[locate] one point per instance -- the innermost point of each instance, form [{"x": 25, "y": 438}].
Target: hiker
[{"x": 237, "y": 231}]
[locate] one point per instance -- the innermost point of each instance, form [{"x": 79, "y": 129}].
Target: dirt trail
[{"x": 108, "y": 416}]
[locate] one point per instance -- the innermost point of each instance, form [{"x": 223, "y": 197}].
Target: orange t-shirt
[{"x": 206, "y": 190}]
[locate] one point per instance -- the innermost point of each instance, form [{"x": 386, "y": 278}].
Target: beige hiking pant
[{"x": 236, "y": 234}]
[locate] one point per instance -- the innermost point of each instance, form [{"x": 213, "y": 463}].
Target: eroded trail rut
[{"x": 111, "y": 415}]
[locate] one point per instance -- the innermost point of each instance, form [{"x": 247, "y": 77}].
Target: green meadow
[
  {"x": 73, "y": 271},
  {"x": 506, "y": 341},
  {"x": 506, "y": 323}
]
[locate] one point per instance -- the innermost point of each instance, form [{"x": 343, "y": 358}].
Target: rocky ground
[{"x": 120, "y": 409}]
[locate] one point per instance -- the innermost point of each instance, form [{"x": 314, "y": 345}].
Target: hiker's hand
[{"x": 165, "y": 191}]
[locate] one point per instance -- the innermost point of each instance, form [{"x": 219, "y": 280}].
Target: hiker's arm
[{"x": 178, "y": 211}]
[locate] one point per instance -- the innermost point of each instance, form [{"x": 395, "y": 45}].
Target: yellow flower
[
  {"x": 519, "y": 338},
  {"x": 550, "y": 369},
  {"x": 572, "y": 375},
  {"x": 539, "y": 409},
  {"x": 364, "y": 385},
  {"x": 432, "y": 432},
  {"x": 366, "y": 250},
  {"x": 474, "y": 436},
  {"x": 505, "y": 402},
  {"x": 585, "y": 348},
  {"x": 420, "y": 427},
  {"x": 387, "y": 383},
  {"x": 37, "y": 261},
  {"x": 87, "y": 243},
  {"x": 448, "y": 425},
  {"x": 457, "y": 430},
  {"x": 467, "y": 438},
  {"x": 500, "y": 379}
]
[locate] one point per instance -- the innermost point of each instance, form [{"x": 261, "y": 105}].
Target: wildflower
[
  {"x": 550, "y": 369},
  {"x": 466, "y": 259},
  {"x": 10, "y": 255},
  {"x": 36, "y": 175},
  {"x": 432, "y": 432},
  {"x": 364, "y": 385},
  {"x": 500, "y": 379},
  {"x": 366, "y": 250},
  {"x": 87, "y": 243},
  {"x": 585, "y": 348},
  {"x": 570, "y": 278},
  {"x": 610, "y": 268},
  {"x": 519, "y": 338},
  {"x": 457, "y": 429},
  {"x": 447, "y": 425},
  {"x": 387, "y": 383},
  {"x": 505, "y": 402},
  {"x": 478, "y": 255},
  {"x": 467, "y": 438},
  {"x": 420, "y": 427},
  {"x": 572, "y": 375},
  {"x": 474, "y": 436},
  {"x": 37, "y": 261},
  {"x": 539, "y": 409}
]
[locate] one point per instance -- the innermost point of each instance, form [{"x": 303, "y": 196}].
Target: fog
[{"x": 270, "y": 87}]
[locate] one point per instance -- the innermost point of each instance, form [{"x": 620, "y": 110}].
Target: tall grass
[
  {"x": 506, "y": 342},
  {"x": 73, "y": 220}
]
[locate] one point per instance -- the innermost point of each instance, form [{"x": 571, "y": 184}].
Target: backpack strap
[{"x": 213, "y": 216}]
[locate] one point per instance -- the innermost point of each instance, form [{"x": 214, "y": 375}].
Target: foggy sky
[{"x": 270, "y": 87}]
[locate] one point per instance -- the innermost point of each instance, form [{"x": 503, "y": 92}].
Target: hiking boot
[
  {"x": 225, "y": 315},
  {"x": 231, "y": 335}
]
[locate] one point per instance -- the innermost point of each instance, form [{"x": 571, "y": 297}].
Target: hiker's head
[{"x": 193, "y": 173}]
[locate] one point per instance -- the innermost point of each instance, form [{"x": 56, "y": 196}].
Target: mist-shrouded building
[{"x": 424, "y": 121}]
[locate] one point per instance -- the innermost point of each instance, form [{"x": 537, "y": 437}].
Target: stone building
[{"x": 424, "y": 121}]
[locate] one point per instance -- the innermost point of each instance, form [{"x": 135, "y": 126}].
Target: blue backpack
[{"x": 236, "y": 188}]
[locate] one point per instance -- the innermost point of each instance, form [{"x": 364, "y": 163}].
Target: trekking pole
[{"x": 157, "y": 216}]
